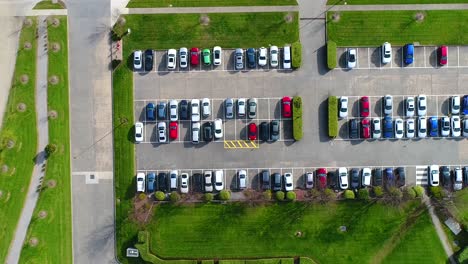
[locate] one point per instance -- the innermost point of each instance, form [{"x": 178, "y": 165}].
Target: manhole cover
[{"x": 91, "y": 176}]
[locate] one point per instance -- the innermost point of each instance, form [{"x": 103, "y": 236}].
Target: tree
[
  {"x": 224, "y": 195},
  {"x": 291, "y": 196},
  {"x": 363, "y": 194},
  {"x": 378, "y": 191},
  {"x": 50, "y": 149},
  {"x": 208, "y": 197},
  {"x": 418, "y": 190},
  {"x": 174, "y": 196},
  {"x": 267, "y": 195},
  {"x": 142, "y": 196},
  {"x": 349, "y": 195},
  {"x": 279, "y": 196},
  {"x": 409, "y": 193},
  {"x": 436, "y": 192},
  {"x": 160, "y": 196}
]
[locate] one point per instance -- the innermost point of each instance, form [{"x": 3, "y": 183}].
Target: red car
[
  {"x": 365, "y": 127},
  {"x": 322, "y": 177},
  {"x": 173, "y": 126},
  {"x": 194, "y": 56},
  {"x": 286, "y": 101},
  {"x": 443, "y": 54},
  {"x": 365, "y": 106},
  {"x": 252, "y": 131}
]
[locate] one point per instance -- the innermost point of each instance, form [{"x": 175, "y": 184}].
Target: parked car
[
  {"x": 410, "y": 128},
  {"x": 162, "y": 132},
  {"x": 206, "y": 54},
  {"x": 183, "y": 58},
  {"x": 194, "y": 56},
  {"x": 332, "y": 179},
  {"x": 456, "y": 126},
  {"x": 219, "y": 180},
  {"x": 433, "y": 127},
  {"x": 207, "y": 175},
  {"x": 286, "y": 106},
  {"x": 138, "y": 132},
  {"x": 365, "y": 128},
  {"x": 422, "y": 127},
  {"x": 173, "y": 111},
  {"x": 274, "y": 56},
  {"x": 218, "y": 128},
  {"x": 195, "y": 132},
  {"x": 376, "y": 130},
  {"x": 252, "y": 131},
  {"x": 410, "y": 106},
  {"x": 150, "y": 186},
  {"x": 171, "y": 59},
  {"x": 465, "y": 127},
  {"x": 140, "y": 179},
  {"x": 206, "y": 107},
  {"x": 184, "y": 183},
  {"x": 455, "y": 105},
  {"x": 445, "y": 173},
  {"x": 434, "y": 175},
  {"x": 366, "y": 177},
  {"x": 253, "y": 107},
  {"x": 173, "y": 177},
  {"x": 343, "y": 176},
  {"x": 208, "y": 131},
  {"x": 365, "y": 106},
  {"x": 309, "y": 180},
  {"x": 162, "y": 182},
  {"x": 355, "y": 179},
  {"x": 443, "y": 55},
  {"x": 241, "y": 107},
  {"x": 457, "y": 179},
  {"x": 217, "y": 55},
  {"x": 148, "y": 60},
  {"x": 465, "y": 105},
  {"x": 262, "y": 56},
  {"x": 242, "y": 179},
  {"x": 408, "y": 53},
  {"x": 353, "y": 129},
  {"x": 162, "y": 110},
  {"x": 195, "y": 110},
  {"x": 343, "y": 103},
  {"x": 275, "y": 130},
  {"x": 137, "y": 61},
  {"x": 390, "y": 178},
  {"x": 229, "y": 108},
  {"x": 351, "y": 58},
  {"x": 321, "y": 178},
  {"x": 399, "y": 128},
  {"x": 173, "y": 130},
  {"x": 265, "y": 180},
  {"x": 378, "y": 179},
  {"x": 184, "y": 110},
  {"x": 445, "y": 126},
  {"x": 388, "y": 127},
  {"x": 264, "y": 131},
  {"x": 422, "y": 105},
  {"x": 276, "y": 182},
  {"x": 400, "y": 171},
  {"x": 288, "y": 182},
  {"x": 388, "y": 104},
  {"x": 239, "y": 59},
  {"x": 150, "y": 108},
  {"x": 287, "y": 57},
  {"x": 386, "y": 53},
  {"x": 465, "y": 175},
  {"x": 251, "y": 58}
]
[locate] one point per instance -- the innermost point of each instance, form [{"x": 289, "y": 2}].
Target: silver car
[
  {"x": 173, "y": 110},
  {"x": 239, "y": 59},
  {"x": 388, "y": 104},
  {"x": 183, "y": 54},
  {"x": 162, "y": 132},
  {"x": 253, "y": 107},
  {"x": 229, "y": 105},
  {"x": 241, "y": 107}
]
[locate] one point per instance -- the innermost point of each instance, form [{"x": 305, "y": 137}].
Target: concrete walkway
[
  {"x": 205, "y": 10},
  {"x": 43, "y": 140},
  {"x": 397, "y": 7}
]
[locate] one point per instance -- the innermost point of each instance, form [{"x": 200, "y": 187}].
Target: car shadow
[{"x": 376, "y": 57}]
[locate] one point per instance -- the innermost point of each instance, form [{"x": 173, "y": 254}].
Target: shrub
[
  {"x": 279, "y": 196},
  {"x": 115, "y": 36},
  {"x": 332, "y": 116},
  {"x": 267, "y": 195},
  {"x": 291, "y": 196},
  {"x": 395, "y": 193},
  {"x": 378, "y": 191},
  {"x": 297, "y": 117},
  {"x": 142, "y": 236},
  {"x": 142, "y": 196},
  {"x": 418, "y": 190},
  {"x": 409, "y": 193},
  {"x": 175, "y": 196},
  {"x": 436, "y": 192},
  {"x": 314, "y": 193},
  {"x": 328, "y": 194},
  {"x": 208, "y": 197},
  {"x": 463, "y": 256},
  {"x": 50, "y": 149},
  {"x": 160, "y": 196},
  {"x": 296, "y": 49},
  {"x": 348, "y": 194},
  {"x": 115, "y": 63},
  {"x": 363, "y": 194},
  {"x": 331, "y": 55},
  {"x": 224, "y": 195}
]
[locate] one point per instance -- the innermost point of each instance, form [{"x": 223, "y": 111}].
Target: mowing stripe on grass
[{"x": 205, "y": 3}]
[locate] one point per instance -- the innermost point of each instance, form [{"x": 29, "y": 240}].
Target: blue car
[
  {"x": 388, "y": 127},
  {"x": 465, "y": 105},
  {"x": 433, "y": 127},
  {"x": 251, "y": 58},
  {"x": 389, "y": 176},
  {"x": 150, "y": 111},
  {"x": 151, "y": 182},
  {"x": 408, "y": 53}
]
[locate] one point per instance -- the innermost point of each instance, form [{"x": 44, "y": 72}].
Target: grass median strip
[
  {"x": 51, "y": 222},
  {"x": 393, "y": 2},
  {"x": 207, "y": 3},
  {"x": 372, "y": 28}
]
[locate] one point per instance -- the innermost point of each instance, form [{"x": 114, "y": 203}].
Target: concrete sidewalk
[
  {"x": 397, "y": 7},
  {"x": 205, "y": 10}
]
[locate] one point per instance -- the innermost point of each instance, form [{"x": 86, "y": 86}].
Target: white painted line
[
  {"x": 458, "y": 56},
  {"x": 424, "y": 48}
]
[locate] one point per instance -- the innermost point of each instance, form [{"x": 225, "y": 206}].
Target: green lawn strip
[
  {"x": 231, "y": 30},
  {"x": 420, "y": 244},
  {"x": 205, "y": 3},
  {"x": 54, "y": 231},
  {"x": 460, "y": 207},
  {"x": 229, "y": 231},
  {"x": 393, "y": 2},
  {"x": 372, "y": 28},
  {"x": 20, "y": 128},
  {"x": 209, "y": 261},
  {"x": 47, "y": 4}
]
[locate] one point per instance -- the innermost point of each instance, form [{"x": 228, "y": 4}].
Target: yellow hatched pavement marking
[{"x": 240, "y": 144}]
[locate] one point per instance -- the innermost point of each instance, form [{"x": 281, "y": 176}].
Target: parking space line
[
  {"x": 368, "y": 57},
  {"x": 424, "y": 48},
  {"x": 458, "y": 56}
]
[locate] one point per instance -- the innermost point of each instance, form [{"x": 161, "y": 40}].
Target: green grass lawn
[
  {"x": 239, "y": 230},
  {"x": 54, "y": 232},
  {"x": 204, "y": 3},
  {"x": 226, "y": 30},
  {"x": 20, "y": 127},
  {"x": 461, "y": 206},
  {"x": 420, "y": 244},
  {"x": 392, "y": 2},
  {"x": 47, "y": 4},
  {"x": 372, "y": 28}
]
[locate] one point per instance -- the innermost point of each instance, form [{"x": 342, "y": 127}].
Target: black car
[
  {"x": 378, "y": 179},
  {"x": 389, "y": 177},
  {"x": 162, "y": 182},
  {"x": 197, "y": 179},
  {"x": 148, "y": 60},
  {"x": 265, "y": 180},
  {"x": 355, "y": 179},
  {"x": 332, "y": 179},
  {"x": 184, "y": 110},
  {"x": 251, "y": 58},
  {"x": 264, "y": 131},
  {"x": 276, "y": 182},
  {"x": 400, "y": 171},
  {"x": 208, "y": 131},
  {"x": 353, "y": 129},
  {"x": 465, "y": 175},
  {"x": 445, "y": 175},
  {"x": 275, "y": 130}
]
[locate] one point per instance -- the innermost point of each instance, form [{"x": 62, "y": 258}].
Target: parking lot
[{"x": 369, "y": 58}]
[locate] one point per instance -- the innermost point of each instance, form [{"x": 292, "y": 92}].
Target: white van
[{"x": 287, "y": 57}]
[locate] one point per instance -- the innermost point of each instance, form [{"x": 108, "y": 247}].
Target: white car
[
  {"x": 288, "y": 182},
  {"x": 386, "y": 53},
  {"x": 410, "y": 106},
  {"x": 173, "y": 180},
  {"x": 410, "y": 128},
  {"x": 217, "y": 55},
  {"x": 262, "y": 56},
  {"x": 445, "y": 126},
  {"x": 309, "y": 179},
  {"x": 455, "y": 104},
  {"x": 137, "y": 61},
  {"x": 376, "y": 129},
  {"x": 183, "y": 55},
  {"x": 171, "y": 59},
  {"x": 141, "y": 179},
  {"x": 456, "y": 126},
  {"x": 162, "y": 132},
  {"x": 422, "y": 105},
  {"x": 399, "y": 128},
  {"x": 206, "y": 107},
  {"x": 388, "y": 104},
  {"x": 138, "y": 132},
  {"x": 173, "y": 110},
  {"x": 218, "y": 128},
  {"x": 422, "y": 127},
  {"x": 366, "y": 177},
  {"x": 184, "y": 183},
  {"x": 465, "y": 127},
  {"x": 343, "y": 103},
  {"x": 241, "y": 107},
  {"x": 433, "y": 175},
  {"x": 287, "y": 57},
  {"x": 195, "y": 132},
  {"x": 274, "y": 56},
  {"x": 458, "y": 182},
  {"x": 207, "y": 175},
  {"x": 242, "y": 177},
  {"x": 195, "y": 110},
  {"x": 343, "y": 175},
  {"x": 219, "y": 180},
  {"x": 351, "y": 58},
  {"x": 253, "y": 107}
]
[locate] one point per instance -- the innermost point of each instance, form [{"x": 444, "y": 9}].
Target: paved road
[
  {"x": 43, "y": 140},
  {"x": 398, "y": 7},
  {"x": 205, "y": 10}
]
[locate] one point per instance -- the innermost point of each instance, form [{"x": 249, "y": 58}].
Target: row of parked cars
[
  {"x": 455, "y": 179},
  {"x": 183, "y": 57}
]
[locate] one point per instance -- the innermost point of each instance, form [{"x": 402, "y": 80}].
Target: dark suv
[
  {"x": 251, "y": 58},
  {"x": 162, "y": 181},
  {"x": 355, "y": 179},
  {"x": 208, "y": 131},
  {"x": 264, "y": 131},
  {"x": 445, "y": 174},
  {"x": 276, "y": 182},
  {"x": 265, "y": 180},
  {"x": 148, "y": 60},
  {"x": 378, "y": 177},
  {"x": 400, "y": 171},
  {"x": 353, "y": 129}
]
